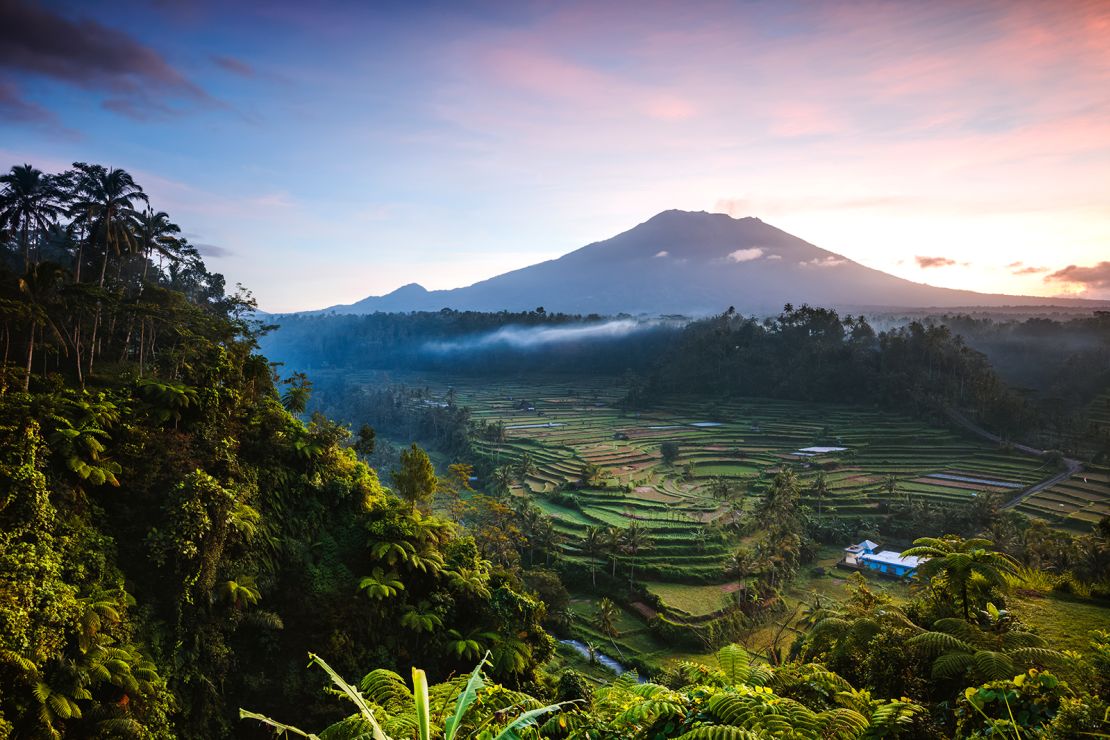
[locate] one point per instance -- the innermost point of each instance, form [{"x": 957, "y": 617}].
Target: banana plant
[{"x": 365, "y": 722}]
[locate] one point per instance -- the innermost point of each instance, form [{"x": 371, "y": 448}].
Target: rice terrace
[{"x": 588, "y": 462}]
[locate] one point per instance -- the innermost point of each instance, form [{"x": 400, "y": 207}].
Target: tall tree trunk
[
  {"x": 77, "y": 356},
  {"x": 26, "y": 246},
  {"x": 142, "y": 343},
  {"x": 30, "y": 360},
  {"x": 80, "y": 258},
  {"x": 103, "y": 265},
  {"x": 92, "y": 339},
  {"x": 103, "y": 269}
]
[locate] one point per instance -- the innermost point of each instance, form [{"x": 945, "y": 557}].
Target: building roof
[{"x": 892, "y": 557}]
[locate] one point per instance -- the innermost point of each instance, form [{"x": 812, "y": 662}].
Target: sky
[{"x": 322, "y": 152}]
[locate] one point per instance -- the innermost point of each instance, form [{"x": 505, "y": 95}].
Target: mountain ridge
[{"x": 693, "y": 263}]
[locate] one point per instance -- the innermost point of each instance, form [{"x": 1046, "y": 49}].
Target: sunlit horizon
[{"x": 320, "y": 155}]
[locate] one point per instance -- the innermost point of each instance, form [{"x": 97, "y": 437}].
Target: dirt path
[{"x": 1071, "y": 467}]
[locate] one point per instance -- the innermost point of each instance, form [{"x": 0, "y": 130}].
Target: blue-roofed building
[{"x": 867, "y": 556}]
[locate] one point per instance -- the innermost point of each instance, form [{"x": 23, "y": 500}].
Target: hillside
[{"x": 690, "y": 263}]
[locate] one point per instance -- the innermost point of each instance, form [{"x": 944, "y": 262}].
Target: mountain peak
[
  {"x": 689, "y": 262},
  {"x": 678, "y": 214},
  {"x": 409, "y": 289}
]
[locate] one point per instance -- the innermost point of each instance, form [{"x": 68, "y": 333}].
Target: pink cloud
[{"x": 1093, "y": 279}]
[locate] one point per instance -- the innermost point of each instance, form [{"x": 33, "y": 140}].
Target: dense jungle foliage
[{"x": 173, "y": 538}]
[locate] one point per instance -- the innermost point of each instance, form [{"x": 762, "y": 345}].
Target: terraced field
[
  {"x": 572, "y": 426},
  {"x": 1076, "y": 503},
  {"x": 564, "y": 428},
  {"x": 567, "y": 425},
  {"x": 1083, "y": 499}
]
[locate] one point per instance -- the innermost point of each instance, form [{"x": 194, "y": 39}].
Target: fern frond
[
  {"x": 994, "y": 666},
  {"x": 938, "y": 642},
  {"x": 951, "y": 665},
  {"x": 842, "y": 724},
  {"x": 734, "y": 661},
  {"x": 388, "y": 690},
  {"x": 720, "y": 732}
]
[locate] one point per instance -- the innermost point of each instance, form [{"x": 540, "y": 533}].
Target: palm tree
[
  {"x": 525, "y": 467},
  {"x": 820, "y": 490},
  {"x": 28, "y": 203},
  {"x": 549, "y": 540},
  {"x": 961, "y": 566},
  {"x": 605, "y": 614},
  {"x": 532, "y": 523},
  {"x": 634, "y": 540},
  {"x": 613, "y": 546},
  {"x": 104, "y": 202},
  {"x": 779, "y": 505},
  {"x": 890, "y": 485},
  {"x": 156, "y": 233},
  {"x": 594, "y": 546},
  {"x": 502, "y": 480},
  {"x": 739, "y": 565}
]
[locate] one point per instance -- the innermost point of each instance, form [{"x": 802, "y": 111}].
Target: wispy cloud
[
  {"x": 1020, "y": 268},
  {"x": 746, "y": 255},
  {"x": 213, "y": 250},
  {"x": 830, "y": 261},
  {"x": 233, "y": 65},
  {"x": 1090, "y": 279},
  {"x": 928, "y": 262},
  {"x": 85, "y": 53}
]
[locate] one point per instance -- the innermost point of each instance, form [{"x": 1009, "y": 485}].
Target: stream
[{"x": 602, "y": 658}]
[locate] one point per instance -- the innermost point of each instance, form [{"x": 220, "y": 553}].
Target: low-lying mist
[{"x": 536, "y": 337}]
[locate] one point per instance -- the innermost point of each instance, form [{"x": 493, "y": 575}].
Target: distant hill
[{"x": 682, "y": 262}]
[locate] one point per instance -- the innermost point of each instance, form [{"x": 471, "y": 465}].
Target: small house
[
  {"x": 852, "y": 552},
  {"x": 867, "y": 556}
]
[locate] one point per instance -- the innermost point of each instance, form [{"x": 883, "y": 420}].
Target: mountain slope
[{"x": 691, "y": 263}]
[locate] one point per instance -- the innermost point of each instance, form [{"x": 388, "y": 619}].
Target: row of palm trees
[
  {"x": 88, "y": 208},
  {"x": 614, "y": 544},
  {"x": 82, "y": 244}
]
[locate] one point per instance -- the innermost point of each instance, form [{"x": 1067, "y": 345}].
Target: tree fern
[
  {"x": 386, "y": 689},
  {"x": 721, "y": 732},
  {"x": 842, "y": 724},
  {"x": 891, "y": 718},
  {"x": 734, "y": 661}
]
